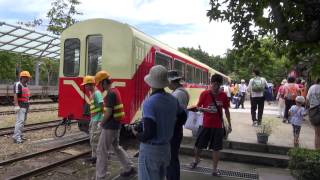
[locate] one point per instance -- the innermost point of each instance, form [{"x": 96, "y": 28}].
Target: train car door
[
  {"x": 94, "y": 54},
  {"x": 93, "y": 62}
]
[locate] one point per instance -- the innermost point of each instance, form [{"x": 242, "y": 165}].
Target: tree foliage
[
  {"x": 264, "y": 56},
  {"x": 62, "y": 15},
  {"x": 294, "y": 24},
  {"x": 50, "y": 71},
  {"x": 267, "y": 55},
  {"x": 10, "y": 62},
  {"x": 295, "y": 20},
  {"x": 7, "y": 70},
  {"x": 216, "y": 62}
]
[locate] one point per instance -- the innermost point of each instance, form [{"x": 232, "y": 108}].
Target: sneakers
[
  {"x": 255, "y": 124},
  {"x": 23, "y": 138},
  {"x": 18, "y": 141},
  {"x": 131, "y": 172},
  {"x": 216, "y": 173},
  {"x": 194, "y": 164},
  {"x": 91, "y": 160}
]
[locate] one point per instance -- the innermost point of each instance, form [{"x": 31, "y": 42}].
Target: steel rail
[
  {"x": 28, "y": 156},
  {"x": 30, "y": 111},
  {"x": 32, "y": 103},
  {"x": 50, "y": 166},
  {"x": 32, "y": 127}
]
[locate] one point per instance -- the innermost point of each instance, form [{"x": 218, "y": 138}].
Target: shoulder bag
[
  {"x": 314, "y": 115},
  {"x": 225, "y": 132}
]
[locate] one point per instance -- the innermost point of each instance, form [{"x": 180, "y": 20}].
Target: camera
[{"x": 137, "y": 126}]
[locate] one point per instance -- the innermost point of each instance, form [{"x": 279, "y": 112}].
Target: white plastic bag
[
  {"x": 191, "y": 122},
  {"x": 199, "y": 119}
]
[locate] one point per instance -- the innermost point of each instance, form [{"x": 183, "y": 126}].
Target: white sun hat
[
  {"x": 300, "y": 99},
  {"x": 157, "y": 77},
  {"x": 284, "y": 81}
]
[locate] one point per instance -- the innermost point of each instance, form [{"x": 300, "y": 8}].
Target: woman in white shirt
[{"x": 313, "y": 99}]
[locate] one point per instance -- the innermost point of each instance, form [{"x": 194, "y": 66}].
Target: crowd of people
[
  {"x": 164, "y": 114},
  {"x": 161, "y": 132},
  {"x": 294, "y": 101}
]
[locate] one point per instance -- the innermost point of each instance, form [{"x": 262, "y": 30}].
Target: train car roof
[
  {"x": 150, "y": 39},
  {"x": 142, "y": 36}
]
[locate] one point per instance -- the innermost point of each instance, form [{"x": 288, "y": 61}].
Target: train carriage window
[
  {"x": 71, "y": 57},
  {"x": 179, "y": 66},
  {"x": 94, "y": 54},
  {"x": 163, "y": 60},
  {"x": 205, "y": 77},
  {"x": 189, "y": 74},
  {"x": 197, "y": 76}
]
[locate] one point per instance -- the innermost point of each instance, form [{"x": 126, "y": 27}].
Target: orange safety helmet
[
  {"x": 101, "y": 75},
  {"x": 25, "y": 74},
  {"x": 88, "y": 80}
]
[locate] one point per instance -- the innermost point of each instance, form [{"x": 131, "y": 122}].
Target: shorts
[
  {"x": 296, "y": 130},
  {"x": 211, "y": 138}
]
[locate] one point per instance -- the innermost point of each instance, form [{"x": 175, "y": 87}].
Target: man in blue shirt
[{"x": 160, "y": 112}]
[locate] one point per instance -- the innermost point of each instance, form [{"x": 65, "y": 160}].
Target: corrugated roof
[{"x": 26, "y": 41}]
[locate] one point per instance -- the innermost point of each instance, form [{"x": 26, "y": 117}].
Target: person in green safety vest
[{"x": 96, "y": 113}]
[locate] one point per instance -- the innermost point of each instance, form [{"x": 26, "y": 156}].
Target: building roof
[{"x": 18, "y": 39}]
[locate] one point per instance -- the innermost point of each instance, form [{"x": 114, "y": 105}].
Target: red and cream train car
[{"x": 127, "y": 54}]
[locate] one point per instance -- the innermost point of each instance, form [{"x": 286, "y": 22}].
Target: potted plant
[{"x": 263, "y": 132}]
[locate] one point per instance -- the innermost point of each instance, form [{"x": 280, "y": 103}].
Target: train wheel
[{"x": 61, "y": 129}]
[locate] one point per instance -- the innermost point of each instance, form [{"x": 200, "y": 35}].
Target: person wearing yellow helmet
[
  {"x": 110, "y": 132},
  {"x": 96, "y": 112},
  {"x": 21, "y": 105}
]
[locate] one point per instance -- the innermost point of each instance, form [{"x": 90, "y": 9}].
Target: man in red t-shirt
[{"x": 211, "y": 134}]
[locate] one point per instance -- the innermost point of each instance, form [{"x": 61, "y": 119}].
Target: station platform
[{"x": 282, "y": 133}]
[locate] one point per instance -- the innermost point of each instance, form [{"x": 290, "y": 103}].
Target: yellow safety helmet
[
  {"x": 101, "y": 75},
  {"x": 25, "y": 74},
  {"x": 88, "y": 80}
]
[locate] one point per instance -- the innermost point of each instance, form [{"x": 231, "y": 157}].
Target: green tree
[
  {"x": 273, "y": 66},
  {"x": 216, "y": 62},
  {"x": 49, "y": 70},
  {"x": 62, "y": 15},
  {"x": 295, "y": 20},
  {"x": 294, "y": 24},
  {"x": 7, "y": 70}
]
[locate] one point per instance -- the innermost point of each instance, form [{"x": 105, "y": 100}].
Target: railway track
[
  {"x": 31, "y": 127},
  {"x": 43, "y": 102},
  {"x": 3, "y": 113},
  {"x": 31, "y": 164},
  {"x": 33, "y": 103}
]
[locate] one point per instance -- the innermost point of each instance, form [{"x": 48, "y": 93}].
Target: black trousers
[
  {"x": 173, "y": 170},
  {"x": 288, "y": 104},
  {"x": 257, "y": 102},
  {"x": 243, "y": 96}
]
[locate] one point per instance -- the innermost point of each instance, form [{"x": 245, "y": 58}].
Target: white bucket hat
[
  {"x": 300, "y": 99},
  {"x": 284, "y": 81},
  {"x": 157, "y": 77}
]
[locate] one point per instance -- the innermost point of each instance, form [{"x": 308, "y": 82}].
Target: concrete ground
[
  {"x": 243, "y": 131},
  {"x": 264, "y": 172}
]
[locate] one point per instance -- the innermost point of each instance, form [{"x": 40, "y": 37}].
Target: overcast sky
[{"x": 178, "y": 23}]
